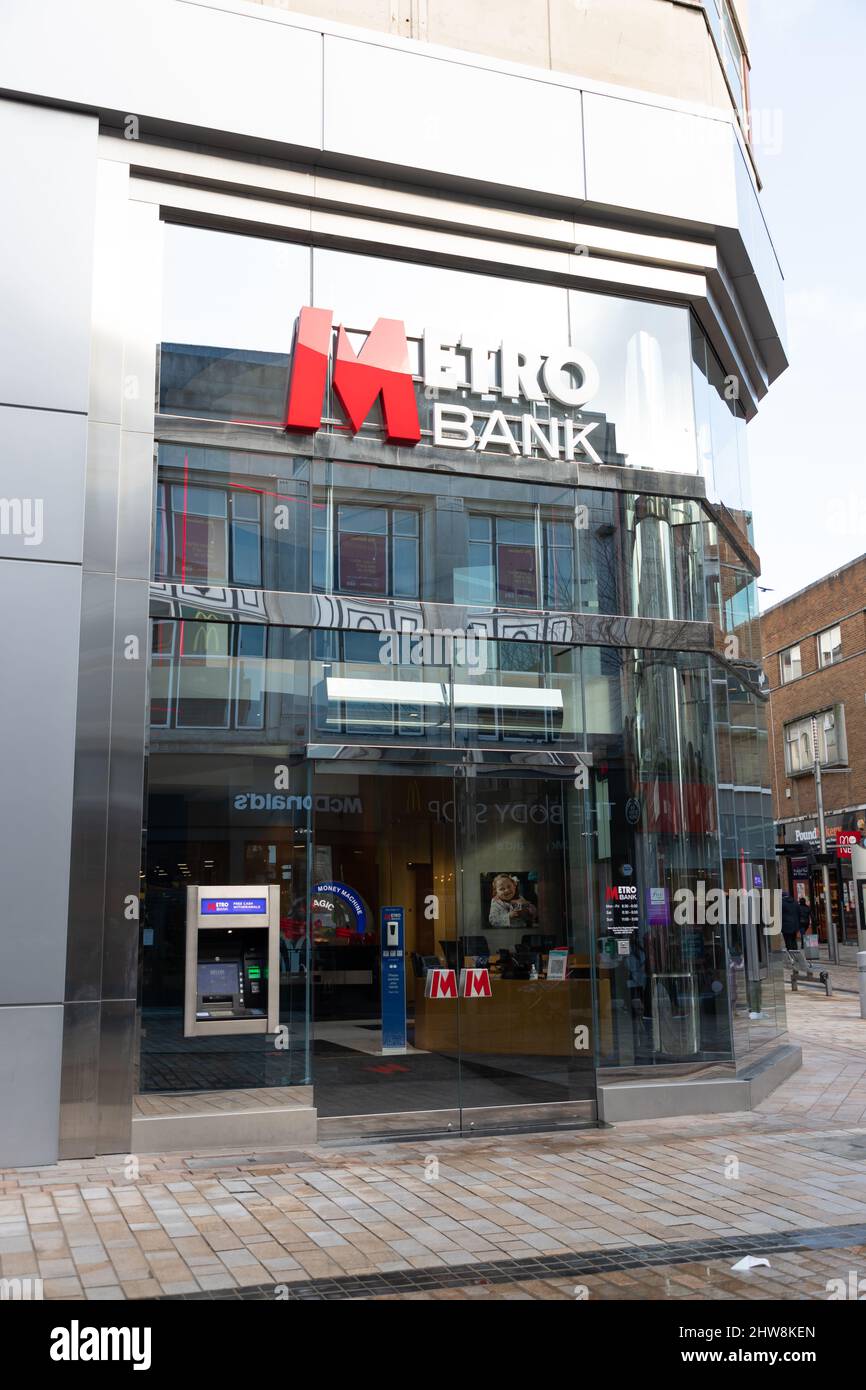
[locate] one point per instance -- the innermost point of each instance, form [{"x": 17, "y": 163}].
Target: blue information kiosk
[{"x": 393, "y": 980}]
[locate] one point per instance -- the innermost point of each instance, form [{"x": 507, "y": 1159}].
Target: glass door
[
  {"x": 482, "y": 861},
  {"x": 527, "y": 1040},
  {"x": 383, "y": 922}
]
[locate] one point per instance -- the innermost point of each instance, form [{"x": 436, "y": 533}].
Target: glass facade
[{"x": 373, "y": 686}]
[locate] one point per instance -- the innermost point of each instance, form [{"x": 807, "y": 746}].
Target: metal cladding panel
[
  {"x": 48, "y": 174},
  {"x": 41, "y": 606},
  {"x": 163, "y": 60},
  {"x": 30, "y": 1041},
  {"x": 760, "y": 256},
  {"x": 431, "y": 113},
  {"x": 655, "y": 160},
  {"x": 42, "y": 482}
]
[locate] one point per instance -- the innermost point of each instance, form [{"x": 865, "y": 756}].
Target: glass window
[
  {"x": 198, "y": 518},
  {"x": 715, "y": 9},
  {"x": 790, "y": 666},
  {"x": 229, "y": 309},
  {"x": 203, "y": 676},
  {"x": 525, "y": 693},
  {"x": 559, "y": 566},
  {"x": 227, "y": 517},
  {"x": 370, "y": 685},
  {"x": 249, "y": 693},
  {"x": 721, "y": 433},
  {"x": 515, "y": 559},
  {"x": 504, "y": 562},
  {"x": 730, "y": 49},
  {"x": 830, "y": 646},
  {"x": 733, "y": 56},
  {"x": 217, "y": 814},
  {"x": 377, "y": 551},
  {"x": 798, "y": 746},
  {"x": 207, "y": 675},
  {"x": 830, "y": 733},
  {"x": 831, "y": 736},
  {"x": 163, "y": 644},
  {"x": 643, "y": 411}
]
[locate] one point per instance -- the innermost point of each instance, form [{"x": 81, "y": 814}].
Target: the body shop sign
[{"x": 563, "y": 378}]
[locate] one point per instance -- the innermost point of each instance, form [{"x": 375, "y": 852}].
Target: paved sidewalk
[{"x": 220, "y": 1224}]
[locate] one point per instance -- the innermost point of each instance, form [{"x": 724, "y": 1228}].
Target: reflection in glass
[
  {"x": 229, "y": 308},
  {"x": 225, "y": 517}
]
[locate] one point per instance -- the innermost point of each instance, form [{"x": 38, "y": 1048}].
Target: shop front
[
  {"x": 386, "y": 584},
  {"x": 432, "y": 663},
  {"x": 798, "y": 845},
  {"x": 535, "y": 892}
]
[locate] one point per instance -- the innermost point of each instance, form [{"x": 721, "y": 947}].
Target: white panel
[
  {"x": 38, "y": 695},
  {"x": 760, "y": 251},
  {"x": 652, "y": 160},
  {"x": 30, "y": 1046},
  {"x": 42, "y": 476},
  {"x": 168, "y": 60},
  {"x": 430, "y": 113},
  {"x": 48, "y": 178}
]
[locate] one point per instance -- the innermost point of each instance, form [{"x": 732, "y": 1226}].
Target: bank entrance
[{"x": 481, "y": 860}]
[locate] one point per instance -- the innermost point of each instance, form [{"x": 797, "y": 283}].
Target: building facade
[
  {"x": 815, "y": 665},
  {"x": 377, "y": 551}
]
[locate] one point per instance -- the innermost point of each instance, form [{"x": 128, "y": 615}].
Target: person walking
[
  {"x": 790, "y": 922},
  {"x": 805, "y": 912}
]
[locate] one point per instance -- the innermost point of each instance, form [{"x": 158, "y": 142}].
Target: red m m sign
[{"x": 379, "y": 370}]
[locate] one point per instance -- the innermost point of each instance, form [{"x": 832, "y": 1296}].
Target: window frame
[
  {"x": 823, "y": 663},
  {"x": 788, "y": 680},
  {"x": 725, "y": 30},
  {"x": 173, "y": 660},
  {"x": 325, "y": 544},
  {"x": 167, "y": 516},
  {"x": 804, "y": 722}
]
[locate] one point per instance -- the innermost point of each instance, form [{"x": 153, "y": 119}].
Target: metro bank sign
[{"x": 380, "y": 371}]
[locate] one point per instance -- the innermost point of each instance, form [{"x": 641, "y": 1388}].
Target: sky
[{"x": 806, "y": 449}]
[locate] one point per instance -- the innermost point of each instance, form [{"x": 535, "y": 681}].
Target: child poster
[{"x": 509, "y": 900}]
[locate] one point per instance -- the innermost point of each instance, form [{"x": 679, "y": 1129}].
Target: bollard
[{"x": 861, "y": 980}]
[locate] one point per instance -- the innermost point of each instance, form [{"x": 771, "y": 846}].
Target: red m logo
[
  {"x": 441, "y": 984},
  {"x": 475, "y": 984},
  {"x": 380, "y": 369}
]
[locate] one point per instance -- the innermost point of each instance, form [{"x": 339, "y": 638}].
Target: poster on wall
[
  {"x": 621, "y": 909},
  {"x": 658, "y": 907},
  {"x": 509, "y": 899}
]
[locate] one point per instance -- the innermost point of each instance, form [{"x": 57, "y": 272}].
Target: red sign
[
  {"x": 475, "y": 984},
  {"x": 441, "y": 984},
  {"x": 845, "y": 840},
  {"x": 380, "y": 369}
]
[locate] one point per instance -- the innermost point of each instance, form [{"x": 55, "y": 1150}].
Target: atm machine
[{"x": 232, "y": 980}]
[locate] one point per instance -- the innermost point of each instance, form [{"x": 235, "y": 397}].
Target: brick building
[{"x": 815, "y": 664}]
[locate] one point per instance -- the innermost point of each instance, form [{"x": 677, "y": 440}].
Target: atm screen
[{"x": 217, "y": 980}]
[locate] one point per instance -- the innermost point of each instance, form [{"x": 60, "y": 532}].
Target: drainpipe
[{"x": 832, "y": 941}]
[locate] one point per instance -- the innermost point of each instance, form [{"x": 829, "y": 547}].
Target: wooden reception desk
[{"x": 532, "y": 1018}]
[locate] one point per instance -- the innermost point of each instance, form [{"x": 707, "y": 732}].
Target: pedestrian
[
  {"x": 790, "y": 922},
  {"x": 805, "y": 912}
]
